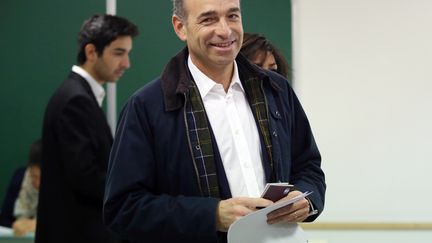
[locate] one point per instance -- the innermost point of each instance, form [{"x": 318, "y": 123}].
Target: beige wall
[{"x": 363, "y": 73}]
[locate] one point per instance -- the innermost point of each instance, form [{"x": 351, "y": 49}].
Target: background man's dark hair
[
  {"x": 101, "y": 30},
  {"x": 35, "y": 153}
]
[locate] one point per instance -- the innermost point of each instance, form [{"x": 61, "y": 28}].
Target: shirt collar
[
  {"x": 97, "y": 89},
  {"x": 205, "y": 84}
]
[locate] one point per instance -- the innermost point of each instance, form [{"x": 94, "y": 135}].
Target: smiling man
[
  {"x": 196, "y": 146},
  {"x": 76, "y": 137}
]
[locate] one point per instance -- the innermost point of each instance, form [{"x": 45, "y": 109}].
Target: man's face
[
  {"x": 213, "y": 31},
  {"x": 110, "y": 66}
]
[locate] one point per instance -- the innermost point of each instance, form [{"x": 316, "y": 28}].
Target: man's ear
[
  {"x": 179, "y": 27},
  {"x": 90, "y": 52}
]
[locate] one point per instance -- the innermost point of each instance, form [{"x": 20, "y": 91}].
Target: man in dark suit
[{"x": 77, "y": 139}]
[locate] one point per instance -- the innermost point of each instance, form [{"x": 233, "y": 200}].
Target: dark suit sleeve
[{"x": 80, "y": 145}]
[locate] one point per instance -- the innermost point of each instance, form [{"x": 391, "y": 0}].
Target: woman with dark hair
[{"x": 258, "y": 49}]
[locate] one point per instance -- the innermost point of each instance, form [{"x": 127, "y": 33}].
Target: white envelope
[{"x": 253, "y": 228}]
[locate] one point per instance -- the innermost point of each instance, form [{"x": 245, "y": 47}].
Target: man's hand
[
  {"x": 296, "y": 212},
  {"x": 23, "y": 226},
  {"x": 234, "y": 208}
]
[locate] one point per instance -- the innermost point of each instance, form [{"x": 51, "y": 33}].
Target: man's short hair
[
  {"x": 178, "y": 9},
  {"x": 101, "y": 30}
]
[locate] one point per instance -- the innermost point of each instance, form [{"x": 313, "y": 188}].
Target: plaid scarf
[
  {"x": 257, "y": 100},
  {"x": 200, "y": 137}
]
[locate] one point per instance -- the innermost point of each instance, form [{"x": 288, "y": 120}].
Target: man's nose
[
  {"x": 223, "y": 28},
  {"x": 125, "y": 62}
]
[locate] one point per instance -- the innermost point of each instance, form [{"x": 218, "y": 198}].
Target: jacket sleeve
[
  {"x": 7, "y": 208},
  {"x": 80, "y": 147},
  {"x": 306, "y": 172},
  {"x": 134, "y": 208}
]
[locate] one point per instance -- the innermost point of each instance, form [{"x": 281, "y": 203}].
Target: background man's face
[{"x": 110, "y": 66}]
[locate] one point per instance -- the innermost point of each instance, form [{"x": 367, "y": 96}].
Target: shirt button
[
  {"x": 277, "y": 114},
  {"x": 274, "y": 133}
]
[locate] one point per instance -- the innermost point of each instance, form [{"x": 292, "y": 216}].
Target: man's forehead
[{"x": 198, "y": 7}]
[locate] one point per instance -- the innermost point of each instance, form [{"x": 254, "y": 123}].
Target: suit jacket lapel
[{"x": 89, "y": 91}]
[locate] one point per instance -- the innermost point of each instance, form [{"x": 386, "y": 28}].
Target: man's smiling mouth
[{"x": 223, "y": 45}]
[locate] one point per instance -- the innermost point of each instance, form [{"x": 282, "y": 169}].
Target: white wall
[
  {"x": 373, "y": 236},
  {"x": 363, "y": 72}
]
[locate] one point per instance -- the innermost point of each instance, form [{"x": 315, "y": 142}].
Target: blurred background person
[
  {"x": 26, "y": 204},
  {"x": 260, "y": 51},
  {"x": 76, "y": 136}
]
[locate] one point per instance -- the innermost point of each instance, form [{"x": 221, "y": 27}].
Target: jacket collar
[{"x": 176, "y": 78}]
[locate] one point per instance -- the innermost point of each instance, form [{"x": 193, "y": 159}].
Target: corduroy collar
[{"x": 176, "y": 77}]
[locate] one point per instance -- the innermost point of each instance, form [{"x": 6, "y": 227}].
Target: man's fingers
[
  {"x": 253, "y": 203},
  {"x": 232, "y": 209},
  {"x": 280, "y": 212},
  {"x": 290, "y": 217},
  {"x": 296, "y": 212}
]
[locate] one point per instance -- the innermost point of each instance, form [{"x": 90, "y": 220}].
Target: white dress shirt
[
  {"x": 235, "y": 130},
  {"x": 98, "y": 90}
]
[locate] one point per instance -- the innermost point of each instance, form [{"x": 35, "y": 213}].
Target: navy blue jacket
[
  {"x": 6, "y": 212},
  {"x": 152, "y": 192}
]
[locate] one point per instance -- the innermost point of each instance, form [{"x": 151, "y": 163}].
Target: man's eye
[
  {"x": 118, "y": 53},
  {"x": 233, "y": 16},
  {"x": 207, "y": 20}
]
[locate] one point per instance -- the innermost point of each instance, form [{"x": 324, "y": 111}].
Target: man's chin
[
  {"x": 113, "y": 80},
  {"x": 225, "y": 61}
]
